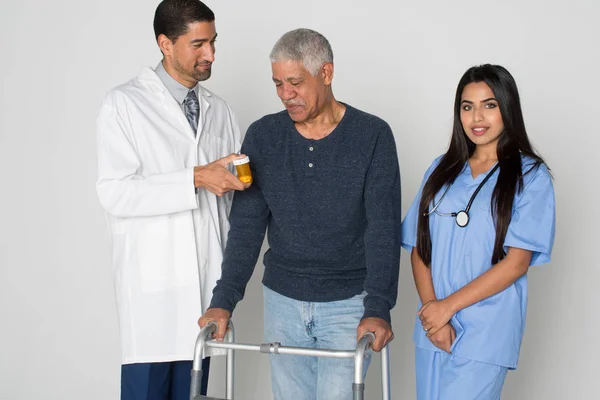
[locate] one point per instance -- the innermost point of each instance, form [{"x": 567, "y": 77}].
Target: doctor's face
[
  {"x": 480, "y": 114},
  {"x": 192, "y": 54}
]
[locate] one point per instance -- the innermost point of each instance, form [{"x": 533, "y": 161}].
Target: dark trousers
[{"x": 160, "y": 381}]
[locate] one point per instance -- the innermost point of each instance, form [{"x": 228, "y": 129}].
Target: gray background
[{"x": 399, "y": 59}]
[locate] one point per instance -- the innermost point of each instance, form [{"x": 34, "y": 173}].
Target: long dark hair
[{"x": 513, "y": 143}]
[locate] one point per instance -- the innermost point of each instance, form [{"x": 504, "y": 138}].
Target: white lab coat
[{"x": 167, "y": 241}]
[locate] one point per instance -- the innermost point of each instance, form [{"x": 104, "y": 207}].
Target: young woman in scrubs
[{"x": 483, "y": 215}]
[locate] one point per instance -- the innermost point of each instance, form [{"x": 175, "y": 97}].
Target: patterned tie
[{"x": 192, "y": 109}]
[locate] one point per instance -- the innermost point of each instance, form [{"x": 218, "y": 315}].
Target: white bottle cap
[{"x": 241, "y": 161}]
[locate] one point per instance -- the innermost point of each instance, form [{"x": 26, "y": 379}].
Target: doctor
[{"x": 164, "y": 148}]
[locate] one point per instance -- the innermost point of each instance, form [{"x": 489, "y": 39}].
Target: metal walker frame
[{"x": 363, "y": 347}]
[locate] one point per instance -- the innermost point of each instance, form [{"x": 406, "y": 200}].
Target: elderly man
[{"x": 327, "y": 185}]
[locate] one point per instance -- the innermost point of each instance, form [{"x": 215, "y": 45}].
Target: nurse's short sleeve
[
  {"x": 409, "y": 224},
  {"x": 533, "y": 220}
]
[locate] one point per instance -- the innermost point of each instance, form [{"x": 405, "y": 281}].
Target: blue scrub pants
[
  {"x": 443, "y": 376},
  {"x": 160, "y": 381}
]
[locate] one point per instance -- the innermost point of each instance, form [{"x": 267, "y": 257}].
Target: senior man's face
[{"x": 302, "y": 94}]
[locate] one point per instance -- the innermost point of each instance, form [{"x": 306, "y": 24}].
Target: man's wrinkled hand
[
  {"x": 221, "y": 317},
  {"x": 380, "y": 328}
]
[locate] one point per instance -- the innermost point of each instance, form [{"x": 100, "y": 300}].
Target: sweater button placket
[{"x": 310, "y": 164}]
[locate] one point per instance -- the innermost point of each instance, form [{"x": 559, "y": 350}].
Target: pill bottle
[{"x": 242, "y": 166}]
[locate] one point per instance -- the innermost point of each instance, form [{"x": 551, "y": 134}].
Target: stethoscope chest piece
[{"x": 462, "y": 218}]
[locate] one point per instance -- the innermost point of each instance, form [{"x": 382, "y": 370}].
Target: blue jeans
[{"x": 327, "y": 325}]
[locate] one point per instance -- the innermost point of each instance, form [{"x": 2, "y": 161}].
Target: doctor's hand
[
  {"x": 444, "y": 338},
  {"x": 218, "y": 315},
  {"x": 434, "y": 315},
  {"x": 216, "y": 178},
  {"x": 380, "y": 328}
]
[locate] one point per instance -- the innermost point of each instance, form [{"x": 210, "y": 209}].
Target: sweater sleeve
[
  {"x": 382, "y": 237},
  {"x": 248, "y": 220}
]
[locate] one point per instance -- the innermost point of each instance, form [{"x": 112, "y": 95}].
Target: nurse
[{"x": 483, "y": 215}]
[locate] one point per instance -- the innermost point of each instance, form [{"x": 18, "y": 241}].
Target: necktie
[{"x": 192, "y": 109}]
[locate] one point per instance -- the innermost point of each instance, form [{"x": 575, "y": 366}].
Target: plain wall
[{"x": 400, "y": 60}]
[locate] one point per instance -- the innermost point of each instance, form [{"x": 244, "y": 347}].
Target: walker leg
[
  {"x": 358, "y": 391},
  {"x": 230, "y": 337}
]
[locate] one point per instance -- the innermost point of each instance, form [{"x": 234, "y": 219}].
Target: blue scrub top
[{"x": 489, "y": 331}]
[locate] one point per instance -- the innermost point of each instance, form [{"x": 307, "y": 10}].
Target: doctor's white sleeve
[{"x": 122, "y": 191}]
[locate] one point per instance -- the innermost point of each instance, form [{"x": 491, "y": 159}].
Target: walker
[{"x": 363, "y": 347}]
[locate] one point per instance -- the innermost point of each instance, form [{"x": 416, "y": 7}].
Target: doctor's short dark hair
[{"x": 172, "y": 17}]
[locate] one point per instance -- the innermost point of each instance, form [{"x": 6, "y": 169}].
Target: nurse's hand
[
  {"x": 218, "y": 315},
  {"x": 380, "y": 328},
  {"x": 216, "y": 178},
  {"x": 444, "y": 338},
  {"x": 434, "y": 315}
]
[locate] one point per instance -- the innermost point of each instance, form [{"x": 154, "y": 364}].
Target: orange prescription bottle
[{"x": 242, "y": 166}]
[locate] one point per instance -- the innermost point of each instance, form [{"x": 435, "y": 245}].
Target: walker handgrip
[
  {"x": 196, "y": 374},
  {"x": 366, "y": 342},
  {"x": 369, "y": 336},
  {"x": 362, "y": 347}
]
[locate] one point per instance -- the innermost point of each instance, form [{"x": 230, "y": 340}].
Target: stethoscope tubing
[{"x": 469, "y": 204}]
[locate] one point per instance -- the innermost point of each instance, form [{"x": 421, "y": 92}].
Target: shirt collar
[{"x": 177, "y": 90}]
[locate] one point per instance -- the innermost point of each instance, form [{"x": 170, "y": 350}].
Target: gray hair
[{"x": 305, "y": 45}]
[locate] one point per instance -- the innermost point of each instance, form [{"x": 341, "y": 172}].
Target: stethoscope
[{"x": 462, "y": 217}]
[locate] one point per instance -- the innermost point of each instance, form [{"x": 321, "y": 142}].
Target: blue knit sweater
[{"x": 332, "y": 208}]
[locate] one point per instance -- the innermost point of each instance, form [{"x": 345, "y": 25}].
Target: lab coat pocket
[
  {"x": 166, "y": 252},
  {"x": 210, "y": 256},
  {"x": 153, "y": 253},
  {"x": 212, "y": 147}
]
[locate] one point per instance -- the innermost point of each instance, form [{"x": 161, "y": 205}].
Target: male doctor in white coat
[{"x": 165, "y": 144}]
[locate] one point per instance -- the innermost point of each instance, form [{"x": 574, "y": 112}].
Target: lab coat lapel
[
  {"x": 171, "y": 105},
  {"x": 155, "y": 84},
  {"x": 203, "y": 96}
]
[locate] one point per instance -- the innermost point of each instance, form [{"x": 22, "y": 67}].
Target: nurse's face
[
  {"x": 190, "y": 57},
  {"x": 480, "y": 115}
]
